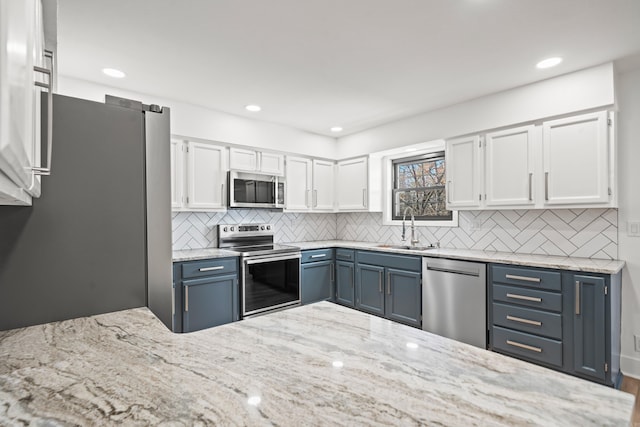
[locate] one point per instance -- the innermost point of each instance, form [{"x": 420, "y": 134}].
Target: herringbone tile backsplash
[{"x": 591, "y": 233}]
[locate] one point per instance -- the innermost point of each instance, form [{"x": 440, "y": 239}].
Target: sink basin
[{"x": 413, "y": 248}]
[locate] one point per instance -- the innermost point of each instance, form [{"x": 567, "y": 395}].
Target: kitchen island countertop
[{"x": 320, "y": 364}]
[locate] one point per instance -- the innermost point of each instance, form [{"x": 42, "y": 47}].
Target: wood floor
[{"x": 631, "y": 385}]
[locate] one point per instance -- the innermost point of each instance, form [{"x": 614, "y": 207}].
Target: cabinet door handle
[
  {"x": 222, "y": 194},
  {"x": 49, "y": 86},
  {"x": 333, "y": 273},
  {"x": 524, "y": 297},
  {"x": 380, "y": 281},
  {"x": 186, "y": 298},
  {"x": 388, "y": 283},
  {"x": 546, "y": 186},
  {"x": 448, "y": 191},
  {"x": 578, "y": 289},
  {"x": 525, "y": 346},
  {"x": 315, "y": 198},
  {"x": 364, "y": 197},
  {"x": 306, "y": 198},
  {"x": 319, "y": 256},
  {"x": 530, "y": 186},
  {"x": 523, "y": 278},
  {"x": 219, "y": 267},
  {"x": 521, "y": 320}
]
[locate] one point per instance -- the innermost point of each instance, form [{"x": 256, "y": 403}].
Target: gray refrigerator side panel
[
  {"x": 159, "y": 256},
  {"x": 80, "y": 249}
]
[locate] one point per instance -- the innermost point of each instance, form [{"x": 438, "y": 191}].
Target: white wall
[
  {"x": 198, "y": 122},
  {"x": 628, "y": 91},
  {"x": 582, "y": 90}
]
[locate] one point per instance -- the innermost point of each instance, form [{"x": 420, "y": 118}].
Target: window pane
[
  {"x": 425, "y": 203},
  {"x": 424, "y": 173}
]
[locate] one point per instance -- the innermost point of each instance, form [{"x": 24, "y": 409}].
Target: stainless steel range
[{"x": 270, "y": 273}]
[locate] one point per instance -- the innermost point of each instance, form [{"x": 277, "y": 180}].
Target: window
[{"x": 419, "y": 184}]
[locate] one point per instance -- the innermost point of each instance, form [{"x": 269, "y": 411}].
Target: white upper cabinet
[
  {"x": 464, "y": 180},
  {"x": 323, "y": 185},
  {"x": 21, "y": 48},
  {"x": 256, "y": 161},
  {"x": 352, "y": 184},
  {"x": 177, "y": 174},
  {"x": 198, "y": 176},
  {"x": 298, "y": 184},
  {"x": 509, "y": 162},
  {"x": 576, "y": 160}
]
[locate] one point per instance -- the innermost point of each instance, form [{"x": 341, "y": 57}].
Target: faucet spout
[{"x": 414, "y": 241}]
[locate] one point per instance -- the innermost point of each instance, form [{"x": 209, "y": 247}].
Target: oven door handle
[{"x": 261, "y": 260}]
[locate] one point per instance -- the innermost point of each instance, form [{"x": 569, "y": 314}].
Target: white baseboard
[{"x": 630, "y": 366}]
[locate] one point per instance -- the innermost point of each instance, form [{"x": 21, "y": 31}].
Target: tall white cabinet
[{"x": 198, "y": 176}]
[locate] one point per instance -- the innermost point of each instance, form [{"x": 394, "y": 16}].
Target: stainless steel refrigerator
[{"x": 99, "y": 238}]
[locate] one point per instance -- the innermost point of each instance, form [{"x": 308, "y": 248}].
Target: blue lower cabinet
[
  {"x": 345, "y": 283},
  {"x": 316, "y": 281},
  {"x": 404, "y": 297},
  {"x": 210, "y": 301},
  {"x": 370, "y": 289}
]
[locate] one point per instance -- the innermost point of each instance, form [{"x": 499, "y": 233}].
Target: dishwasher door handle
[{"x": 450, "y": 270}]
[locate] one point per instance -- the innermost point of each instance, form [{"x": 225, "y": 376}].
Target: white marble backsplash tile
[{"x": 589, "y": 233}]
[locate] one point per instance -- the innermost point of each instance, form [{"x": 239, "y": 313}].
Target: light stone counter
[
  {"x": 195, "y": 254},
  {"x": 531, "y": 260},
  {"x": 313, "y": 365}
]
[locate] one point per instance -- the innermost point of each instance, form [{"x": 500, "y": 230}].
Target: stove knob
[
  {"x": 233, "y": 229},
  {"x": 268, "y": 227},
  {"x": 262, "y": 227},
  {"x": 224, "y": 229}
]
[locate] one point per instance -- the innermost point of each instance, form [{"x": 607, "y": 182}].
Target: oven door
[{"x": 270, "y": 282}]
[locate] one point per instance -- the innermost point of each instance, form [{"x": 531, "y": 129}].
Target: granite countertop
[
  {"x": 531, "y": 260},
  {"x": 320, "y": 364},
  {"x": 195, "y": 254}
]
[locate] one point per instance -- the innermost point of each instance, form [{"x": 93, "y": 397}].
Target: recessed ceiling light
[
  {"x": 112, "y": 72},
  {"x": 252, "y": 107},
  {"x": 549, "y": 62},
  {"x": 336, "y": 129}
]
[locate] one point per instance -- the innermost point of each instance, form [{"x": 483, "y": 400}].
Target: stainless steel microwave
[{"x": 254, "y": 190}]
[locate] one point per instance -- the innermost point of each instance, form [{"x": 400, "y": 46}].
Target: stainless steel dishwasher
[{"x": 454, "y": 300}]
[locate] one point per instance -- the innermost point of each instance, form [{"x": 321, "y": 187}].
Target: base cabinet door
[
  {"x": 589, "y": 327},
  {"x": 209, "y": 301},
  {"x": 404, "y": 296},
  {"x": 316, "y": 281},
  {"x": 345, "y": 283},
  {"x": 370, "y": 289}
]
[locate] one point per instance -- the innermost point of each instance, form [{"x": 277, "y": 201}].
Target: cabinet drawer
[
  {"x": 528, "y": 297},
  {"x": 209, "y": 267},
  {"x": 401, "y": 262},
  {"x": 316, "y": 255},
  {"x": 530, "y": 277},
  {"x": 528, "y": 346},
  {"x": 528, "y": 320},
  {"x": 345, "y": 254}
]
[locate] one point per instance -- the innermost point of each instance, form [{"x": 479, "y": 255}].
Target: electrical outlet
[
  {"x": 475, "y": 225},
  {"x": 633, "y": 229},
  {"x": 637, "y": 338}
]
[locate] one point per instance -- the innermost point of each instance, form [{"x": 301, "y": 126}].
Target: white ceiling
[{"x": 314, "y": 64}]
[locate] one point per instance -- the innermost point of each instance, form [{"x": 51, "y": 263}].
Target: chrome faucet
[{"x": 414, "y": 241}]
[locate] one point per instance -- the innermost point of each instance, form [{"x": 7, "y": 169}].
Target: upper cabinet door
[
  {"x": 17, "y": 29},
  {"x": 351, "y": 185},
  {"x": 298, "y": 184},
  {"x": 244, "y": 160},
  {"x": 463, "y": 164},
  {"x": 177, "y": 171},
  {"x": 509, "y": 167},
  {"x": 205, "y": 176},
  {"x": 575, "y": 156},
  {"x": 271, "y": 163},
  {"x": 323, "y": 174}
]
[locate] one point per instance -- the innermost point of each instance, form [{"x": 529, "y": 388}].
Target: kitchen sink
[{"x": 413, "y": 248}]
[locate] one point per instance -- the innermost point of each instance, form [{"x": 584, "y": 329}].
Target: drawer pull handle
[
  {"x": 524, "y": 297},
  {"x": 219, "y": 267},
  {"x": 526, "y": 347},
  {"x": 577, "y": 297},
  {"x": 523, "y": 278},
  {"x": 521, "y": 320},
  {"x": 380, "y": 281},
  {"x": 319, "y": 256}
]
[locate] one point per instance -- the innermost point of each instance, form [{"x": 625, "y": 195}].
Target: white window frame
[{"x": 387, "y": 182}]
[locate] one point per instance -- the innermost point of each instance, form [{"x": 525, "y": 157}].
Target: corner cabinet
[
  {"x": 562, "y": 163},
  {"x": 567, "y": 321},
  {"x": 206, "y": 293},
  {"x": 352, "y": 184},
  {"x": 317, "y": 275},
  {"x": 390, "y": 286},
  {"x": 198, "y": 176}
]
